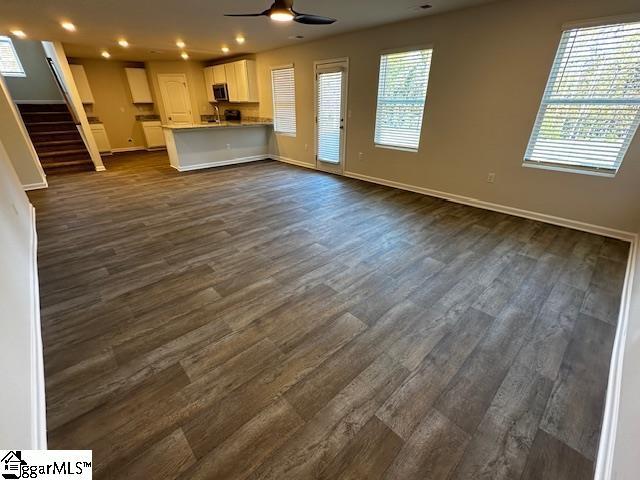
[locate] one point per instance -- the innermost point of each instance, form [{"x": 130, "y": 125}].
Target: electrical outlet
[
  {"x": 360, "y": 155},
  {"x": 491, "y": 177},
  {"x": 228, "y": 146}
]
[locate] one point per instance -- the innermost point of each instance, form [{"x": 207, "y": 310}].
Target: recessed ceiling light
[
  {"x": 68, "y": 26},
  {"x": 225, "y": 49},
  {"x": 184, "y": 55},
  {"x": 105, "y": 54},
  {"x": 123, "y": 43},
  {"x": 180, "y": 44},
  {"x": 240, "y": 39},
  {"x": 18, "y": 33}
]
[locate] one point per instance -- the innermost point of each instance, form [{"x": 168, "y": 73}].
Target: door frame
[
  {"x": 163, "y": 98},
  {"x": 343, "y": 62}
]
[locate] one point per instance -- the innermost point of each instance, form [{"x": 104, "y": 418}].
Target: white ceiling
[{"x": 154, "y": 25}]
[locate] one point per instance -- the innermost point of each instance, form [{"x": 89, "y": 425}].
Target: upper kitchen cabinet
[
  {"x": 213, "y": 76},
  {"x": 138, "y": 85},
  {"x": 82, "y": 83},
  {"x": 242, "y": 81}
]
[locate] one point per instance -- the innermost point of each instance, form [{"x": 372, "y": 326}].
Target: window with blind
[
  {"x": 284, "y": 100},
  {"x": 591, "y": 105},
  {"x": 10, "y": 65},
  {"x": 402, "y": 93}
]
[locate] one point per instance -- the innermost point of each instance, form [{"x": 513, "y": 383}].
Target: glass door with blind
[{"x": 331, "y": 96}]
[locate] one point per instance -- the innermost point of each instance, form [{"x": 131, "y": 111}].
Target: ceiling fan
[{"x": 282, "y": 11}]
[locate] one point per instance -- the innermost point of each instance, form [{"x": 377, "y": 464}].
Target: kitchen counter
[
  {"x": 222, "y": 124},
  {"x": 207, "y": 145}
]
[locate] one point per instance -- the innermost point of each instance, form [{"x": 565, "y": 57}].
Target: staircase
[{"x": 56, "y": 138}]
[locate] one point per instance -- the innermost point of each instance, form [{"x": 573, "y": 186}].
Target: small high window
[{"x": 10, "y": 65}]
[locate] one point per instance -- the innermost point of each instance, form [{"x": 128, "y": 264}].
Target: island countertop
[{"x": 242, "y": 124}]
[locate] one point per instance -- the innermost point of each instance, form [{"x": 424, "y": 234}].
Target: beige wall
[
  {"x": 194, "y": 72},
  {"x": 39, "y": 84},
  {"x": 113, "y": 105},
  {"x": 490, "y": 66}
]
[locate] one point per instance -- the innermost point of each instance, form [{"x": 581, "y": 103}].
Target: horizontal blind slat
[{"x": 591, "y": 105}]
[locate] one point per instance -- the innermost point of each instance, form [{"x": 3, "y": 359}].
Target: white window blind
[
  {"x": 284, "y": 100},
  {"x": 329, "y": 105},
  {"x": 10, "y": 65},
  {"x": 591, "y": 105},
  {"x": 402, "y": 92}
]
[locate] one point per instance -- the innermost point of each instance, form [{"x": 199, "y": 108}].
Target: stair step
[
  {"x": 52, "y": 143},
  {"x": 61, "y": 153},
  {"x": 40, "y": 117},
  {"x": 56, "y": 122},
  {"x": 49, "y": 107},
  {"x": 67, "y": 163}
]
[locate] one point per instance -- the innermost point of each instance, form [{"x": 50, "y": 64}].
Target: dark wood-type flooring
[{"x": 265, "y": 321}]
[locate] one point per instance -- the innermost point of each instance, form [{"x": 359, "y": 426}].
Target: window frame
[
  {"x": 295, "y": 103},
  {"x": 390, "y": 51},
  {"x": 573, "y": 168},
  {"x": 22, "y": 73}
]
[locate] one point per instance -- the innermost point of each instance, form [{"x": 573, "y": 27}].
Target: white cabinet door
[
  {"x": 153, "y": 134},
  {"x": 100, "y": 136},
  {"x": 138, "y": 85},
  {"x": 232, "y": 82},
  {"x": 219, "y": 74},
  {"x": 209, "y": 80},
  {"x": 82, "y": 83},
  {"x": 241, "y": 80}
]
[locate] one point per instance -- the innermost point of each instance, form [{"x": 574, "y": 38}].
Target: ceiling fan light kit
[{"x": 282, "y": 11}]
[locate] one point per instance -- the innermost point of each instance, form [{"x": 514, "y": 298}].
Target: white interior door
[
  {"x": 331, "y": 125},
  {"x": 175, "y": 98}
]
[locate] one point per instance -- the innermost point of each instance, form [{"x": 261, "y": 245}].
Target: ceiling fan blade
[
  {"x": 312, "y": 19},
  {"x": 244, "y": 14}
]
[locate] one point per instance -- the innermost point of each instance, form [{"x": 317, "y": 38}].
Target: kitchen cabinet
[
  {"x": 242, "y": 81},
  {"x": 138, "y": 85},
  {"x": 153, "y": 135},
  {"x": 212, "y": 76},
  {"x": 82, "y": 84},
  {"x": 101, "y": 138}
]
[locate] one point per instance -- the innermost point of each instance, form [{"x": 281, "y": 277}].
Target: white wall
[
  {"x": 22, "y": 415},
  {"x": 17, "y": 143},
  {"x": 627, "y": 439}
]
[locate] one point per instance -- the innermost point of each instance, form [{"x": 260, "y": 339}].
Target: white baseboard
[
  {"x": 35, "y": 186},
  {"x": 127, "y": 149},
  {"x": 100, "y": 168},
  {"x": 474, "y": 202},
  {"x": 606, "y": 446},
  {"x": 293, "y": 162},
  {"x": 221, "y": 163},
  {"x": 155, "y": 149},
  {"x": 38, "y": 402}
]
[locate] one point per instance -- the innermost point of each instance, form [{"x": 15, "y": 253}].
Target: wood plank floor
[{"x": 269, "y": 322}]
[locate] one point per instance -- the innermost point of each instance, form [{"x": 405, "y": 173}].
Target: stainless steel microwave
[{"x": 220, "y": 92}]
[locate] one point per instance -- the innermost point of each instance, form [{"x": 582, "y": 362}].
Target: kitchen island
[{"x": 206, "y": 145}]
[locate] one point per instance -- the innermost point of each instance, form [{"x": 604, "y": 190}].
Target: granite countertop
[{"x": 242, "y": 124}]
